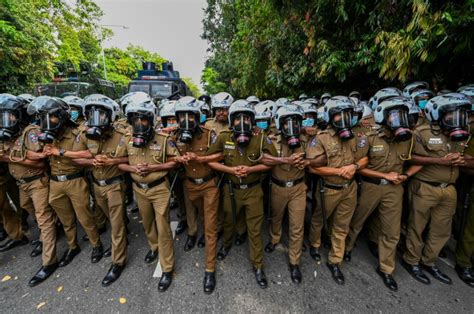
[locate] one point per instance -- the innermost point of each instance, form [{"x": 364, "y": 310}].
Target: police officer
[
  {"x": 106, "y": 142},
  {"x": 386, "y": 149},
  {"x": 149, "y": 161},
  {"x": 439, "y": 149},
  {"x": 242, "y": 152},
  {"x": 201, "y": 188},
  {"x": 288, "y": 188},
  {"x": 340, "y": 190},
  {"x": 68, "y": 190}
]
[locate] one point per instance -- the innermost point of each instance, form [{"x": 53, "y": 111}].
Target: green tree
[{"x": 193, "y": 88}]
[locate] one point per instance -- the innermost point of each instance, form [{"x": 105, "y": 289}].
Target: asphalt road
[{"x": 77, "y": 287}]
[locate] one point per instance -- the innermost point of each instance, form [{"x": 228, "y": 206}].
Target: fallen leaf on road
[
  {"x": 60, "y": 289},
  {"x": 122, "y": 300},
  {"x": 40, "y": 305},
  {"x": 6, "y": 278}
]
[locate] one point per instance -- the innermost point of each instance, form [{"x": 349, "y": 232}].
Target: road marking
[{"x": 158, "y": 271}]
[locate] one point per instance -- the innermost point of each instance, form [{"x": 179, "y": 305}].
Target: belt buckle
[
  {"x": 444, "y": 185},
  {"x": 21, "y": 181},
  {"x": 199, "y": 181},
  {"x": 62, "y": 178},
  {"x": 244, "y": 186},
  {"x": 102, "y": 182},
  {"x": 143, "y": 186},
  {"x": 289, "y": 184},
  {"x": 384, "y": 182}
]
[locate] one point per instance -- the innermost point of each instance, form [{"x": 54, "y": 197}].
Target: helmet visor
[
  {"x": 97, "y": 117},
  {"x": 397, "y": 118},
  {"x": 242, "y": 123},
  {"x": 187, "y": 121},
  {"x": 50, "y": 121},
  {"x": 455, "y": 118},
  {"x": 141, "y": 124},
  {"x": 343, "y": 119},
  {"x": 291, "y": 126},
  {"x": 8, "y": 119}
]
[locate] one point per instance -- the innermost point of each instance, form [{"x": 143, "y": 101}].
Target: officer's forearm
[
  {"x": 259, "y": 168},
  {"x": 221, "y": 167},
  {"x": 32, "y": 163},
  {"x": 35, "y": 155},
  {"x": 126, "y": 167},
  {"x": 83, "y": 162},
  {"x": 118, "y": 160},
  {"x": 78, "y": 154},
  {"x": 319, "y": 161},
  {"x": 412, "y": 170},
  {"x": 210, "y": 158},
  {"x": 270, "y": 160},
  {"x": 324, "y": 171},
  {"x": 372, "y": 173},
  {"x": 163, "y": 167},
  {"x": 424, "y": 160},
  {"x": 468, "y": 162},
  {"x": 362, "y": 163}
]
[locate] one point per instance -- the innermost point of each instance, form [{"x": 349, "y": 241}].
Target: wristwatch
[{"x": 61, "y": 152}]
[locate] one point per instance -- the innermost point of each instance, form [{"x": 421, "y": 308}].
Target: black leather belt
[
  {"x": 376, "y": 181},
  {"x": 287, "y": 184},
  {"x": 436, "y": 184},
  {"x": 113, "y": 180},
  {"x": 67, "y": 177},
  {"x": 30, "y": 179},
  {"x": 202, "y": 180},
  {"x": 337, "y": 186},
  {"x": 245, "y": 186},
  {"x": 147, "y": 186}
]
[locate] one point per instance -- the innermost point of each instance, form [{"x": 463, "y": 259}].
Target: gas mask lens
[
  {"x": 342, "y": 120},
  {"x": 455, "y": 119},
  {"x": 49, "y": 122},
  {"x": 98, "y": 118},
  {"x": 242, "y": 123},
  {"x": 397, "y": 118},
  {"x": 7, "y": 119},
  {"x": 186, "y": 121},
  {"x": 291, "y": 127}
]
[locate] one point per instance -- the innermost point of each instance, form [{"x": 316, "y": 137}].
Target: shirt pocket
[{"x": 437, "y": 149}]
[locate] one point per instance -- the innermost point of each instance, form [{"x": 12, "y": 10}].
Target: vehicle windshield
[
  {"x": 62, "y": 89},
  {"x": 154, "y": 89}
]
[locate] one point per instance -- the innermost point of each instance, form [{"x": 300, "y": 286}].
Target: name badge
[
  {"x": 377, "y": 148},
  {"x": 229, "y": 145},
  {"x": 435, "y": 141}
]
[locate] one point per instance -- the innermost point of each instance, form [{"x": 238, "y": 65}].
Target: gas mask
[
  {"x": 242, "y": 127},
  {"x": 50, "y": 124},
  {"x": 98, "y": 121},
  {"x": 262, "y": 124},
  {"x": 341, "y": 122},
  {"x": 454, "y": 124},
  {"x": 291, "y": 130},
  {"x": 187, "y": 124},
  {"x": 142, "y": 128},
  {"x": 9, "y": 125},
  {"x": 397, "y": 123}
]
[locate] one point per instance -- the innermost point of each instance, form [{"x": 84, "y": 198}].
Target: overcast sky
[{"x": 171, "y": 28}]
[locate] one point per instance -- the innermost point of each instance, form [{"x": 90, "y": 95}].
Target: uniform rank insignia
[
  {"x": 33, "y": 137},
  {"x": 171, "y": 143}
]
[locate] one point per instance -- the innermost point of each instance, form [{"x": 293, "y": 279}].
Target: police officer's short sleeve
[
  {"x": 363, "y": 145},
  {"x": 217, "y": 146},
  {"x": 268, "y": 146},
  {"x": 122, "y": 145},
  {"x": 80, "y": 142},
  {"x": 31, "y": 141},
  {"x": 314, "y": 148},
  {"x": 419, "y": 145},
  {"x": 171, "y": 150}
]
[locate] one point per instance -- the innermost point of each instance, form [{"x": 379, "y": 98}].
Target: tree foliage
[{"x": 275, "y": 48}]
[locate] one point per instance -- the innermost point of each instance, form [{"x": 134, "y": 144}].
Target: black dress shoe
[
  {"x": 240, "y": 238},
  {"x": 270, "y": 247},
  {"x": 114, "y": 273},
  {"x": 209, "y": 282},
  {"x": 42, "y": 274},
  {"x": 69, "y": 256},
  {"x": 337, "y": 275},
  {"x": 373, "y": 248},
  {"x": 37, "y": 250},
  {"x": 165, "y": 281},
  {"x": 190, "y": 243},
  {"x": 416, "y": 272},
  {"x": 35, "y": 242},
  {"x": 202, "y": 241},
  {"x": 10, "y": 244},
  {"x": 347, "y": 256},
  {"x": 102, "y": 230},
  {"x": 223, "y": 252},
  {"x": 295, "y": 273},
  {"x": 260, "y": 277},
  {"x": 182, "y": 225},
  {"x": 151, "y": 256},
  {"x": 108, "y": 252},
  {"x": 388, "y": 280},
  {"x": 437, "y": 274},
  {"x": 97, "y": 253},
  {"x": 465, "y": 274},
  {"x": 3, "y": 235},
  {"x": 315, "y": 254}
]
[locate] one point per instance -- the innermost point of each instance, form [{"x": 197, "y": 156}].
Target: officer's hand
[
  {"x": 182, "y": 160},
  {"x": 191, "y": 156},
  {"x": 243, "y": 171},
  {"x": 236, "y": 171},
  {"x": 347, "y": 172},
  {"x": 391, "y": 176},
  {"x": 143, "y": 168},
  {"x": 459, "y": 161},
  {"x": 448, "y": 159},
  {"x": 136, "y": 170},
  {"x": 54, "y": 151},
  {"x": 256, "y": 131}
]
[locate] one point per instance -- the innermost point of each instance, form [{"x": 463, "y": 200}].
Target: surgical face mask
[
  {"x": 355, "y": 121},
  {"x": 397, "y": 122},
  {"x": 262, "y": 124},
  {"x": 421, "y": 101},
  {"x": 202, "y": 118},
  {"x": 308, "y": 122},
  {"x": 454, "y": 123}
]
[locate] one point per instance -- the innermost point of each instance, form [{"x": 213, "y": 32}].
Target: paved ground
[{"x": 77, "y": 287}]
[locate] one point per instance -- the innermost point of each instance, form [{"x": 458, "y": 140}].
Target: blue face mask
[
  {"x": 262, "y": 125},
  {"x": 354, "y": 121},
  {"x": 422, "y": 104},
  {"x": 171, "y": 125},
  {"x": 74, "y": 115},
  {"x": 202, "y": 118},
  {"x": 308, "y": 122}
]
